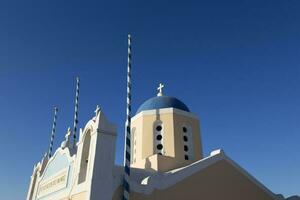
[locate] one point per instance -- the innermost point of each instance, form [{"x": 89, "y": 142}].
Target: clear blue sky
[{"x": 234, "y": 63}]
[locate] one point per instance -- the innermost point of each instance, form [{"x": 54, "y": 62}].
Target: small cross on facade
[{"x": 161, "y": 86}]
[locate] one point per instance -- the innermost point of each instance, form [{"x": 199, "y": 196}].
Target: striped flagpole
[
  {"x": 53, "y": 132},
  {"x": 127, "y": 152},
  {"x": 76, "y": 112}
]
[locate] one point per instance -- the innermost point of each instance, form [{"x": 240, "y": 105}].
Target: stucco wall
[
  {"x": 173, "y": 121},
  {"x": 80, "y": 196},
  {"x": 221, "y": 181}
]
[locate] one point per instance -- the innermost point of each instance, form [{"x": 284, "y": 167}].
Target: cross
[{"x": 161, "y": 86}]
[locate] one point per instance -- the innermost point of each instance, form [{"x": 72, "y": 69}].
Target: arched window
[
  {"x": 186, "y": 157},
  {"x": 185, "y": 138},
  {"x": 186, "y": 148},
  {"x": 84, "y": 158}
]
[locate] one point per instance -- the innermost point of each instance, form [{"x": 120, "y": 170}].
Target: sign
[{"x": 54, "y": 183}]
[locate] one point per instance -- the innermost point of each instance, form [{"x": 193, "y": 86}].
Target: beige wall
[
  {"x": 220, "y": 181},
  {"x": 193, "y": 125},
  {"x": 80, "y": 196},
  {"x": 157, "y": 162},
  {"x": 172, "y": 122}
]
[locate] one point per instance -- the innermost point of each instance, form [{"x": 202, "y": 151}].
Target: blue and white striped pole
[
  {"x": 76, "y": 112},
  {"x": 127, "y": 152},
  {"x": 53, "y": 132}
]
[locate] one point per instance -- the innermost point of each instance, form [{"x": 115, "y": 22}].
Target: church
[{"x": 163, "y": 159}]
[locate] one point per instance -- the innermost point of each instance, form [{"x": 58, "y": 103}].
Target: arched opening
[
  {"x": 133, "y": 146},
  {"x": 84, "y": 158},
  {"x": 158, "y": 130},
  {"x": 187, "y": 142}
]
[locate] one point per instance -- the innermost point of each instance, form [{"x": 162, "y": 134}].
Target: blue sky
[{"x": 234, "y": 63}]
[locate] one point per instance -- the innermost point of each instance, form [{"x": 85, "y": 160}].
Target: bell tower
[{"x": 165, "y": 135}]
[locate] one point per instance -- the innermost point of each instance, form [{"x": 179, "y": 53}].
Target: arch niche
[{"x": 84, "y": 157}]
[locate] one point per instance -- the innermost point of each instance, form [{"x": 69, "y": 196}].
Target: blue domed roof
[{"x": 163, "y": 102}]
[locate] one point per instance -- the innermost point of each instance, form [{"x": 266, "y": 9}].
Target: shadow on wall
[{"x": 147, "y": 164}]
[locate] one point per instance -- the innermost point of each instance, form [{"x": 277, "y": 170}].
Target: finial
[
  {"x": 76, "y": 112},
  {"x": 53, "y": 132},
  {"x": 127, "y": 138},
  {"x": 160, "y": 92},
  {"x": 97, "y": 110},
  {"x": 67, "y": 142}
]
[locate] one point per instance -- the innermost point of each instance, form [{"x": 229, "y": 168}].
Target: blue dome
[{"x": 163, "y": 102}]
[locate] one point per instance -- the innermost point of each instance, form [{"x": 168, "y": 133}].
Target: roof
[
  {"x": 167, "y": 179},
  {"x": 160, "y": 102}
]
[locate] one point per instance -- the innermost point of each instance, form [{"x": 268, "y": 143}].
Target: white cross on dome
[{"x": 160, "y": 92}]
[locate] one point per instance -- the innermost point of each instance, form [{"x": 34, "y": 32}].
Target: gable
[{"x": 56, "y": 178}]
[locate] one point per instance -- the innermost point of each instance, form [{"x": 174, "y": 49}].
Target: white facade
[{"x": 82, "y": 173}]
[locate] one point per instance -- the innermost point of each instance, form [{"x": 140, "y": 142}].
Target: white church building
[{"x": 163, "y": 159}]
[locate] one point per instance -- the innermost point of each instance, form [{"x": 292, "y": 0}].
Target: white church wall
[
  {"x": 98, "y": 171},
  {"x": 104, "y": 156}
]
